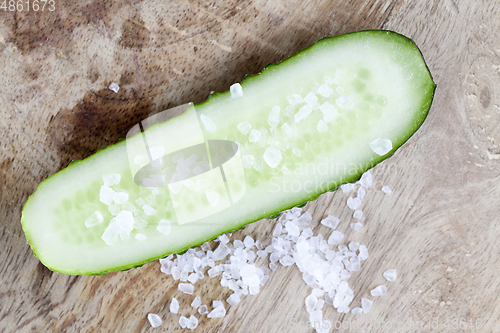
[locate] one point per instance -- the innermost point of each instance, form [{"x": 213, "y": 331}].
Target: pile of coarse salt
[{"x": 324, "y": 268}]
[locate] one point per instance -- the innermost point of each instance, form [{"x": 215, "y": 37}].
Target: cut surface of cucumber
[{"x": 283, "y": 137}]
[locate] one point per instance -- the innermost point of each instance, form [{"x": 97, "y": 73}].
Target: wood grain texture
[{"x": 439, "y": 227}]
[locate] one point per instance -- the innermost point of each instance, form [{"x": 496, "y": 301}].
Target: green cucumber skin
[{"x": 417, "y": 123}]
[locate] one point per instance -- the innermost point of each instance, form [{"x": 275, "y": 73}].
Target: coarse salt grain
[
  {"x": 174, "y": 305},
  {"x": 186, "y": 288},
  {"x": 114, "y": 87},
  {"x": 154, "y": 319},
  {"x": 386, "y": 190},
  {"x": 356, "y": 226},
  {"x": 236, "y": 90},
  {"x": 196, "y": 302},
  {"x": 379, "y": 291},
  {"x": 390, "y": 275}
]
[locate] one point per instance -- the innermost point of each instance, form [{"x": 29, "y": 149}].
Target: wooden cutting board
[{"x": 439, "y": 227}]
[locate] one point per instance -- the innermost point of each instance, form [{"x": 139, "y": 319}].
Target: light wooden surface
[{"x": 439, "y": 228}]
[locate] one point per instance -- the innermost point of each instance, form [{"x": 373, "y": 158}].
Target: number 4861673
[{"x": 27, "y": 5}]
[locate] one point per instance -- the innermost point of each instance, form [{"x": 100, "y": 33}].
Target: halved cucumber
[{"x": 301, "y": 127}]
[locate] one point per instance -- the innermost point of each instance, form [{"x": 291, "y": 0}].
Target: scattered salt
[
  {"x": 196, "y": 302},
  {"x": 164, "y": 226},
  {"x": 390, "y": 275},
  {"x": 295, "y": 99},
  {"x": 236, "y": 90},
  {"x": 244, "y": 127},
  {"x": 329, "y": 111},
  {"x": 303, "y": 113},
  {"x": 174, "y": 305},
  {"x": 287, "y": 130},
  {"x": 344, "y": 102},
  {"x": 233, "y": 300},
  {"x": 357, "y": 214},
  {"x": 114, "y": 87},
  {"x": 106, "y": 195},
  {"x": 95, "y": 219},
  {"x": 274, "y": 116},
  {"x": 110, "y": 235},
  {"x": 322, "y": 126},
  {"x": 193, "y": 322},
  {"x": 213, "y": 197},
  {"x": 356, "y": 226},
  {"x": 207, "y": 123},
  {"x": 217, "y": 312},
  {"x": 357, "y": 311},
  {"x": 325, "y": 90},
  {"x": 203, "y": 310},
  {"x": 254, "y": 135},
  {"x": 330, "y": 222},
  {"x": 183, "y": 321},
  {"x": 381, "y": 146},
  {"x": 248, "y": 161},
  {"x": 379, "y": 291},
  {"x": 363, "y": 252},
  {"x": 335, "y": 237},
  {"x": 353, "y": 203},
  {"x": 148, "y": 210},
  {"x": 296, "y": 152},
  {"x": 366, "y": 304},
  {"x": 111, "y": 179},
  {"x": 272, "y": 156},
  {"x": 154, "y": 319},
  {"x": 361, "y": 193},
  {"x": 311, "y": 99},
  {"x": 386, "y": 190},
  {"x": 347, "y": 188},
  {"x": 140, "y": 237},
  {"x": 186, "y": 288},
  {"x": 366, "y": 179},
  {"x": 125, "y": 220}
]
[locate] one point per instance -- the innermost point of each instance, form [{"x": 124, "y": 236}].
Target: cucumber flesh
[{"x": 296, "y": 130}]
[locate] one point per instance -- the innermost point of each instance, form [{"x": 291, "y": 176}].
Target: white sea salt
[
  {"x": 325, "y": 90},
  {"x": 311, "y": 99},
  {"x": 148, "y": 210},
  {"x": 361, "y": 193},
  {"x": 363, "y": 252},
  {"x": 125, "y": 220},
  {"x": 233, "y": 300},
  {"x": 381, "y": 146},
  {"x": 390, "y": 275},
  {"x": 297, "y": 152},
  {"x": 236, "y": 90},
  {"x": 303, "y": 113},
  {"x": 254, "y": 135},
  {"x": 357, "y": 214},
  {"x": 379, "y": 291},
  {"x": 203, "y": 309},
  {"x": 366, "y": 304},
  {"x": 186, "y": 288},
  {"x": 366, "y": 180},
  {"x": 347, "y": 188},
  {"x": 111, "y": 179},
  {"x": 217, "y": 312},
  {"x": 140, "y": 237},
  {"x": 322, "y": 126},
  {"x": 174, "y": 305},
  {"x": 114, "y": 87},
  {"x": 207, "y": 123},
  {"x": 106, "y": 195},
  {"x": 248, "y": 161},
  {"x": 356, "y": 226},
  {"x": 335, "y": 237},
  {"x": 353, "y": 203},
  {"x": 95, "y": 219},
  {"x": 287, "y": 130},
  {"x": 196, "y": 302},
  {"x": 193, "y": 322},
  {"x": 330, "y": 222},
  {"x": 164, "y": 226},
  {"x": 329, "y": 111},
  {"x": 244, "y": 127},
  {"x": 154, "y": 319},
  {"x": 357, "y": 311},
  {"x": 183, "y": 321},
  {"x": 272, "y": 156},
  {"x": 311, "y": 302},
  {"x": 213, "y": 197},
  {"x": 386, "y": 190},
  {"x": 295, "y": 99},
  {"x": 110, "y": 235},
  {"x": 344, "y": 102},
  {"x": 274, "y": 116}
]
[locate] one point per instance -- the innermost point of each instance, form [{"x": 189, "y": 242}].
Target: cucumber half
[{"x": 283, "y": 137}]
